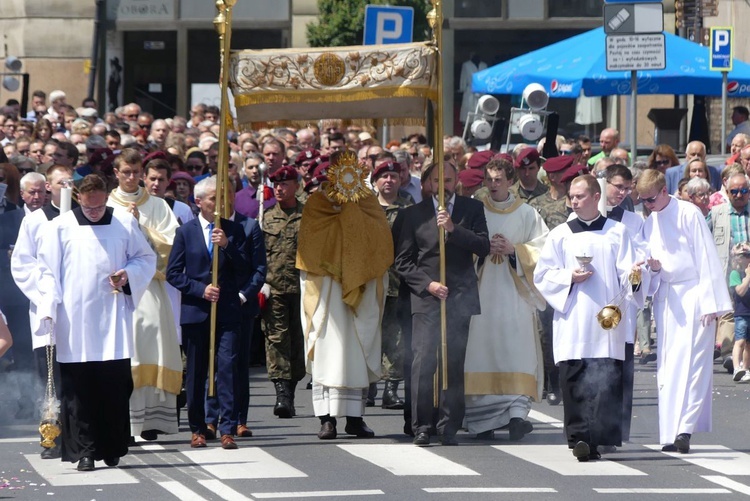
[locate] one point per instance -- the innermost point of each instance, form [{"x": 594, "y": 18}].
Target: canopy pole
[
  {"x": 723, "y": 112},
  {"x": 633, "y": 116}
]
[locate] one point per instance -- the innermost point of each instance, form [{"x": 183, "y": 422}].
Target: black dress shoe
[
  {"x": 486, "y": 435},
  {"x": 422, "y": 439},
  {"x": 582, "y": 451},
  {"x": 51, "y": 453},
  {"x": 682, "y": 443},
  {"x": 446, "y": 439},
  {"x": 86, "y": 464},
  {"x": 111, "y": 461},
  {"x": 358, "y": 428},
  {"x": 593, "y": 456},
  {"x": 669, "y": 448},
  {"x": 518, "y": 428},
  {"x": 149, "y": 435},
  {"x": 553, "y": 398},
  {"x": 327, "y": 431}
]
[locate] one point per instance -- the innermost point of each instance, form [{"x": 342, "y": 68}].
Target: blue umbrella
[{"x": 579, "y": 64}]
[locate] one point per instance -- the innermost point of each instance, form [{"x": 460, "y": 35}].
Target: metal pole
[
  {"x": 98, "y": 19},
  {"x": 435, "y": 19},
  {"x": 633, "y": 116},
  {"x": 724, "y": 112}
]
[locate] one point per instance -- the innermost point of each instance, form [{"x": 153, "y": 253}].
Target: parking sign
[
  {"x": 721, "y": 49},
  {"x": 387, "y": 24}
]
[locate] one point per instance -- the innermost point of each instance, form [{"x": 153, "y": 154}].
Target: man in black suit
[
  {"x": 418, "y": 263},
  {"x": 189, "y": 271}
]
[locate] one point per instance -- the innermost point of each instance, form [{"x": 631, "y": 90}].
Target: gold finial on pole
[
  {"x": 435, "y": 20},
  {"x": 223, "y": 25}
]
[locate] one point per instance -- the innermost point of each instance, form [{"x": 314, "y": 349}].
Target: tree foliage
[{"x": 341, "y": 22}]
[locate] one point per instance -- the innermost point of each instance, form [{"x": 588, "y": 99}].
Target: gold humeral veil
[{"x": 375, "y": 81}]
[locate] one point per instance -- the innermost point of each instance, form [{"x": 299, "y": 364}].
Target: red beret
[
  {"x": 479, "y": 159},
  {"x": 316, "y": 181},
  {"x": 307, "y": 155},
  {"x": 471, "y": 177},
  {"x": 573, "y": 172},
  {"x": 285, "y": 173},
  {"x": 322, "y": 167},
  {"x": 556, "y": 164},
  {"x": 381, "y": 169},
  {"x": 504, "y": 156},
  {"x": 527, "y": 157},
  {"x": 102, "y": 156},
  {"x": 154, "y": 155}
]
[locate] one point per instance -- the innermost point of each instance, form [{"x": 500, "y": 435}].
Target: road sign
[
  {"x": 625, "y": 18},
  {"x": 721, "y": 49},
  {"x": 387, "y": 24},
  {"x": 636, "y": 52}
]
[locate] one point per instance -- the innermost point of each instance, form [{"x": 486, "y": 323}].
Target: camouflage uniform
[
  {"x": 553, "y": 212},
  {"x": 519, "y": 192},
  {"x": 285, "y": 351}
]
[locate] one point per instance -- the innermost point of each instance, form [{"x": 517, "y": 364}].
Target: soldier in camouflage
[
  {"x": 528, "y": 186},
  {"x": 285, "y": 345}
]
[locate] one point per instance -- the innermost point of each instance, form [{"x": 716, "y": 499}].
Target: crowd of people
[{"x": 344, "y": 284}]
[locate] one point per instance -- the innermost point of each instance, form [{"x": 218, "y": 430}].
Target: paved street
[{"x": 285, "y": 460}]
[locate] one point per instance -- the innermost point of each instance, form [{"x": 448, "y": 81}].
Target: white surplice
[
  {"x": 157, "y": 362},
  {"x": 503, "y": 369},
  {"x": 576, "y": 331},
  {"x": 342, "y": 347},
  {"x": 690, "y": 284},
  {"x": 91, "y": 323}
]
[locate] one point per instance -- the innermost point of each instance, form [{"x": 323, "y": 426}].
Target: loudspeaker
[
  {"x": 535, "y": 96},
  {"x": 550, "y": 146}
]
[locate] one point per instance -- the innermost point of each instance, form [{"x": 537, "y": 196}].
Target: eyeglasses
[
  {"x": 194, "y": 168},
  {"x": 701, "y": 195},
  {"x": 662, "y": 162},
  {"x": 621, "y": 188},
  {"x": 93, "y": 209},
  {"x": 741, "y": 191},
  {"x": 650, "y": 200},
  {"x": 567, "y": 152}
]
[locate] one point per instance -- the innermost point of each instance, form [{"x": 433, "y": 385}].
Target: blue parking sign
[
  {"x": 721, "y": 49},
  {"x": 387, "y": 24}
]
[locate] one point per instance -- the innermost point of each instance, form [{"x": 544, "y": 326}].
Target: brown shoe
[
  {"x": 227, "y": 442},
  {"x": 244, "y": 431},
  {"x": 197, "y": 441},
  {"x": 211, "y": 432}
]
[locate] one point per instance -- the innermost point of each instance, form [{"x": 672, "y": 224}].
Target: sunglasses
[
  {"x": 650, "y": 200},
  {"x": 662, "y": 162},
  {"x": 743, "y": 191}
]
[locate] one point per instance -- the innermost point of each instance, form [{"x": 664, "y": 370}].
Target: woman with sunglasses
[{"x": 662, "y": 158}]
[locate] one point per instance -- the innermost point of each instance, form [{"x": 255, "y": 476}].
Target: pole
[
  {"x": 98, "y": 16},
  {"x": 724, "y": 112},
  {"x": 223, "y": 26},
  {"x": 633, "y": 116},
  {"x": 435, "y": 19}
]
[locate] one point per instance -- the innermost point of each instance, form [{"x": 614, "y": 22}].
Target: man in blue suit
[
  {"x": 255, "y": 250},
  {"x": 694, "y": 149},
  {"x": 189, "y": 271}
]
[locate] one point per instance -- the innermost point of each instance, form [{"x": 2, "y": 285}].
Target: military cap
[
  {"x": 479, "y": 159},
  {"x": 383, "y": 168},
  {"x": 573, "y": 172},
  {"x": 557, "y": 164},
  {"x": 316, "y": 181},
  {"x": 471, "y": 177},
  {"x": 307, "y": 155},
  {"x": 285, "y": 173},
  {"x": 527, "y": 157}
]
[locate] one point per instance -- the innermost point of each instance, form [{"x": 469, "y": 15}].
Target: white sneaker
[
  {"x": 745, "y": 378},
  {"x": 739, "y": 374}
]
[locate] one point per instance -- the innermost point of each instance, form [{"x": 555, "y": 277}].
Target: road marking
[
  {"x": 151, "y": 447},
  {"x": 19, "y": 440},
  {"x": 64, "y": 474},
  {"x": 223, "y": 490},
  {"x": 714, "y": 457},
  {"x": 729, "y": 483},
  {"x": 662, "y": 491},
  {"x": 180, "y": 491},
  {"x": 560, "y": 460},
  {"x": 248, "y": 462},
  {"x": 472, "y": 490},
  {"x": 315, "y": 494},
  {"x": 544, "y": 418},
  {"x": 403, "y": 460}
]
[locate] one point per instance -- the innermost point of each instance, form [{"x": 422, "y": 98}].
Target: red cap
[
  {"x": 573, "y": 172},
  {"x": 285, "y": 173},
  {"x": 316, "y": 181},
  {"x": 471, "y": 177},
  {"x": 321, "y": 169},
  {"x": 479, "y": 159},
  {"x": 381, "y": 169},
  {"x": 158, "y": 154},
  {"x": 504, "y": 156},
  {"x": 307, "y": 155},
  {"x": 102, "y": 157},
  {"x": 556, "y": 164},
  {"x": 527, "y": 157}
]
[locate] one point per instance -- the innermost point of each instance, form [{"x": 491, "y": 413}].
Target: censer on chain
[
  {"x": 609, "y": 316},
  {"x": 49, "y": 428}
]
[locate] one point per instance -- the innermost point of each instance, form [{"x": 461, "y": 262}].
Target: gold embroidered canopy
[{"x": 374, "y": 81}]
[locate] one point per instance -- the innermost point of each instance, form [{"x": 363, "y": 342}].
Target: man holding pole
[{"x": 418, "y": 263}]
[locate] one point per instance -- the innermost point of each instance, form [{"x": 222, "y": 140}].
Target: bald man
[{"x": 608, "y": 139}]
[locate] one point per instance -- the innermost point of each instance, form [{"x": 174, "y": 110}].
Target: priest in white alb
[
  {"x": 690, "y": 291},
  {"x": 156, "y": 361},
  {"x": 95, "y": 265},
  {"x": 585, "y": 264},
  {"x": 345, "y": 249},
  {"x": 504, "y": 371}
]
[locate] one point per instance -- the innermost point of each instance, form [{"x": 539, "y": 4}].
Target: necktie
[{"x": 210, "y": 243}]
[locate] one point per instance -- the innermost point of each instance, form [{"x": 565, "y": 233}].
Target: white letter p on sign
[
  {"x": 721, "y": 40},
  {"x": 392, "y": 32}
]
